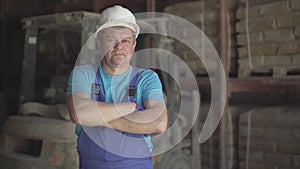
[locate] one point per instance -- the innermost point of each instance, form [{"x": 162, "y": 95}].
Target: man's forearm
[
  {"x": 141, "y": 123},
  {"x": 93, "y": 113}
]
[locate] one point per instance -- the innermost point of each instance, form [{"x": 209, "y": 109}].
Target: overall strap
[
  {"x": 98, "y": 92},
  {"x": 131, "y": 90}
]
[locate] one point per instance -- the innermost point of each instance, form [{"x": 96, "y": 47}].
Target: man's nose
[{"x": 118, "y": 44}]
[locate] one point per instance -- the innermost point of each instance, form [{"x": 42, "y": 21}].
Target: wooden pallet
[
  {"x": 269, "y": 71},
  {"x": 276, "y": 66}
]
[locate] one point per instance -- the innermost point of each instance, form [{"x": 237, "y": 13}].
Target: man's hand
[{"x": 153, "y": 119}]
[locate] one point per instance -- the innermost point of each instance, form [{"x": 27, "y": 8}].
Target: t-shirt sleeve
[
  {"x": 80, "y": 80},
  {"x": 152, "y": 88}
]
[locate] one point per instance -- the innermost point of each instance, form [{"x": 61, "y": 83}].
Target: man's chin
[{"x": 119, "y": 63}]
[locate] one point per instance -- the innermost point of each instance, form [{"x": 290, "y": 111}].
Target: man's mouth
[{"x": 114, "y": 54}]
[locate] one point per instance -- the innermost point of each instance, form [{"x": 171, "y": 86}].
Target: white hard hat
[{"x": 118, "y": 16}]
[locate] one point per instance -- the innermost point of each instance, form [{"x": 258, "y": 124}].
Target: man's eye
[{"x": 126, "y": 40}]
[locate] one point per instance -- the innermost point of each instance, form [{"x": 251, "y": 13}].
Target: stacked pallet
[
  {"x": 268, "y": 37},
  {"x": 210, "y": 149},
  {"x": 269, "y": 138},
  {"x": 204, "y": 15}
]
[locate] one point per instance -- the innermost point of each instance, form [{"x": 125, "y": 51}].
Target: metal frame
[{"x": 84, "y": 22}]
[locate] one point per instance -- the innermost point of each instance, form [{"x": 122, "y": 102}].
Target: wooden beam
[{"x": 223, "y": 36}]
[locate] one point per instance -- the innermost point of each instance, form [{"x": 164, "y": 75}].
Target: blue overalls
[{"x": 109, "y": 148}]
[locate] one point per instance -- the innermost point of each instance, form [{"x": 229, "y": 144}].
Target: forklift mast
[{"x": 82, "y": 23}]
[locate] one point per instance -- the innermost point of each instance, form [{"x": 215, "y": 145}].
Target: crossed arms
[{"x": 121, "y": 116}]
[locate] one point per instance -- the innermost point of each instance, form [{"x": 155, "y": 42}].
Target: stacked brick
[
  {"x": 204, "y": 15},
  {"x": 268, "y": 37},
  {"x": 269, "y": 138},
  {"x": 210, "y": 149}
]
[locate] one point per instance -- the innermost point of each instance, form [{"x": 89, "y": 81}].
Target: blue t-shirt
[{"x": 148, "y": 86}]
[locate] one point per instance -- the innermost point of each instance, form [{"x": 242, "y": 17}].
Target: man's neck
[{"x": 115, "y": 71}]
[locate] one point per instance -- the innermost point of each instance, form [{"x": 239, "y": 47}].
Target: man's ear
[{"x": 134, "y": 43}]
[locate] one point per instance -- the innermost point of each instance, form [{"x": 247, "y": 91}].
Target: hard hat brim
[{"x": 134, "y": 28}]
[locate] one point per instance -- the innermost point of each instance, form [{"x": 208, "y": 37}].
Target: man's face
[{"x": 119, "y": 44}]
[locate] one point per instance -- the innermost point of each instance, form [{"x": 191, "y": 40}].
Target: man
[{"x": 117, "y": 106}]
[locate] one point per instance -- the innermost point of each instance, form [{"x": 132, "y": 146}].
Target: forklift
[{"x": 41, "y": 135}]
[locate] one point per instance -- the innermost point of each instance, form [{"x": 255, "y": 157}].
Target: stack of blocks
[
  {"x": 268, "y": 37},
  {"x": 269, "y": 138},
  {"x": 204, "y": 15}
]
